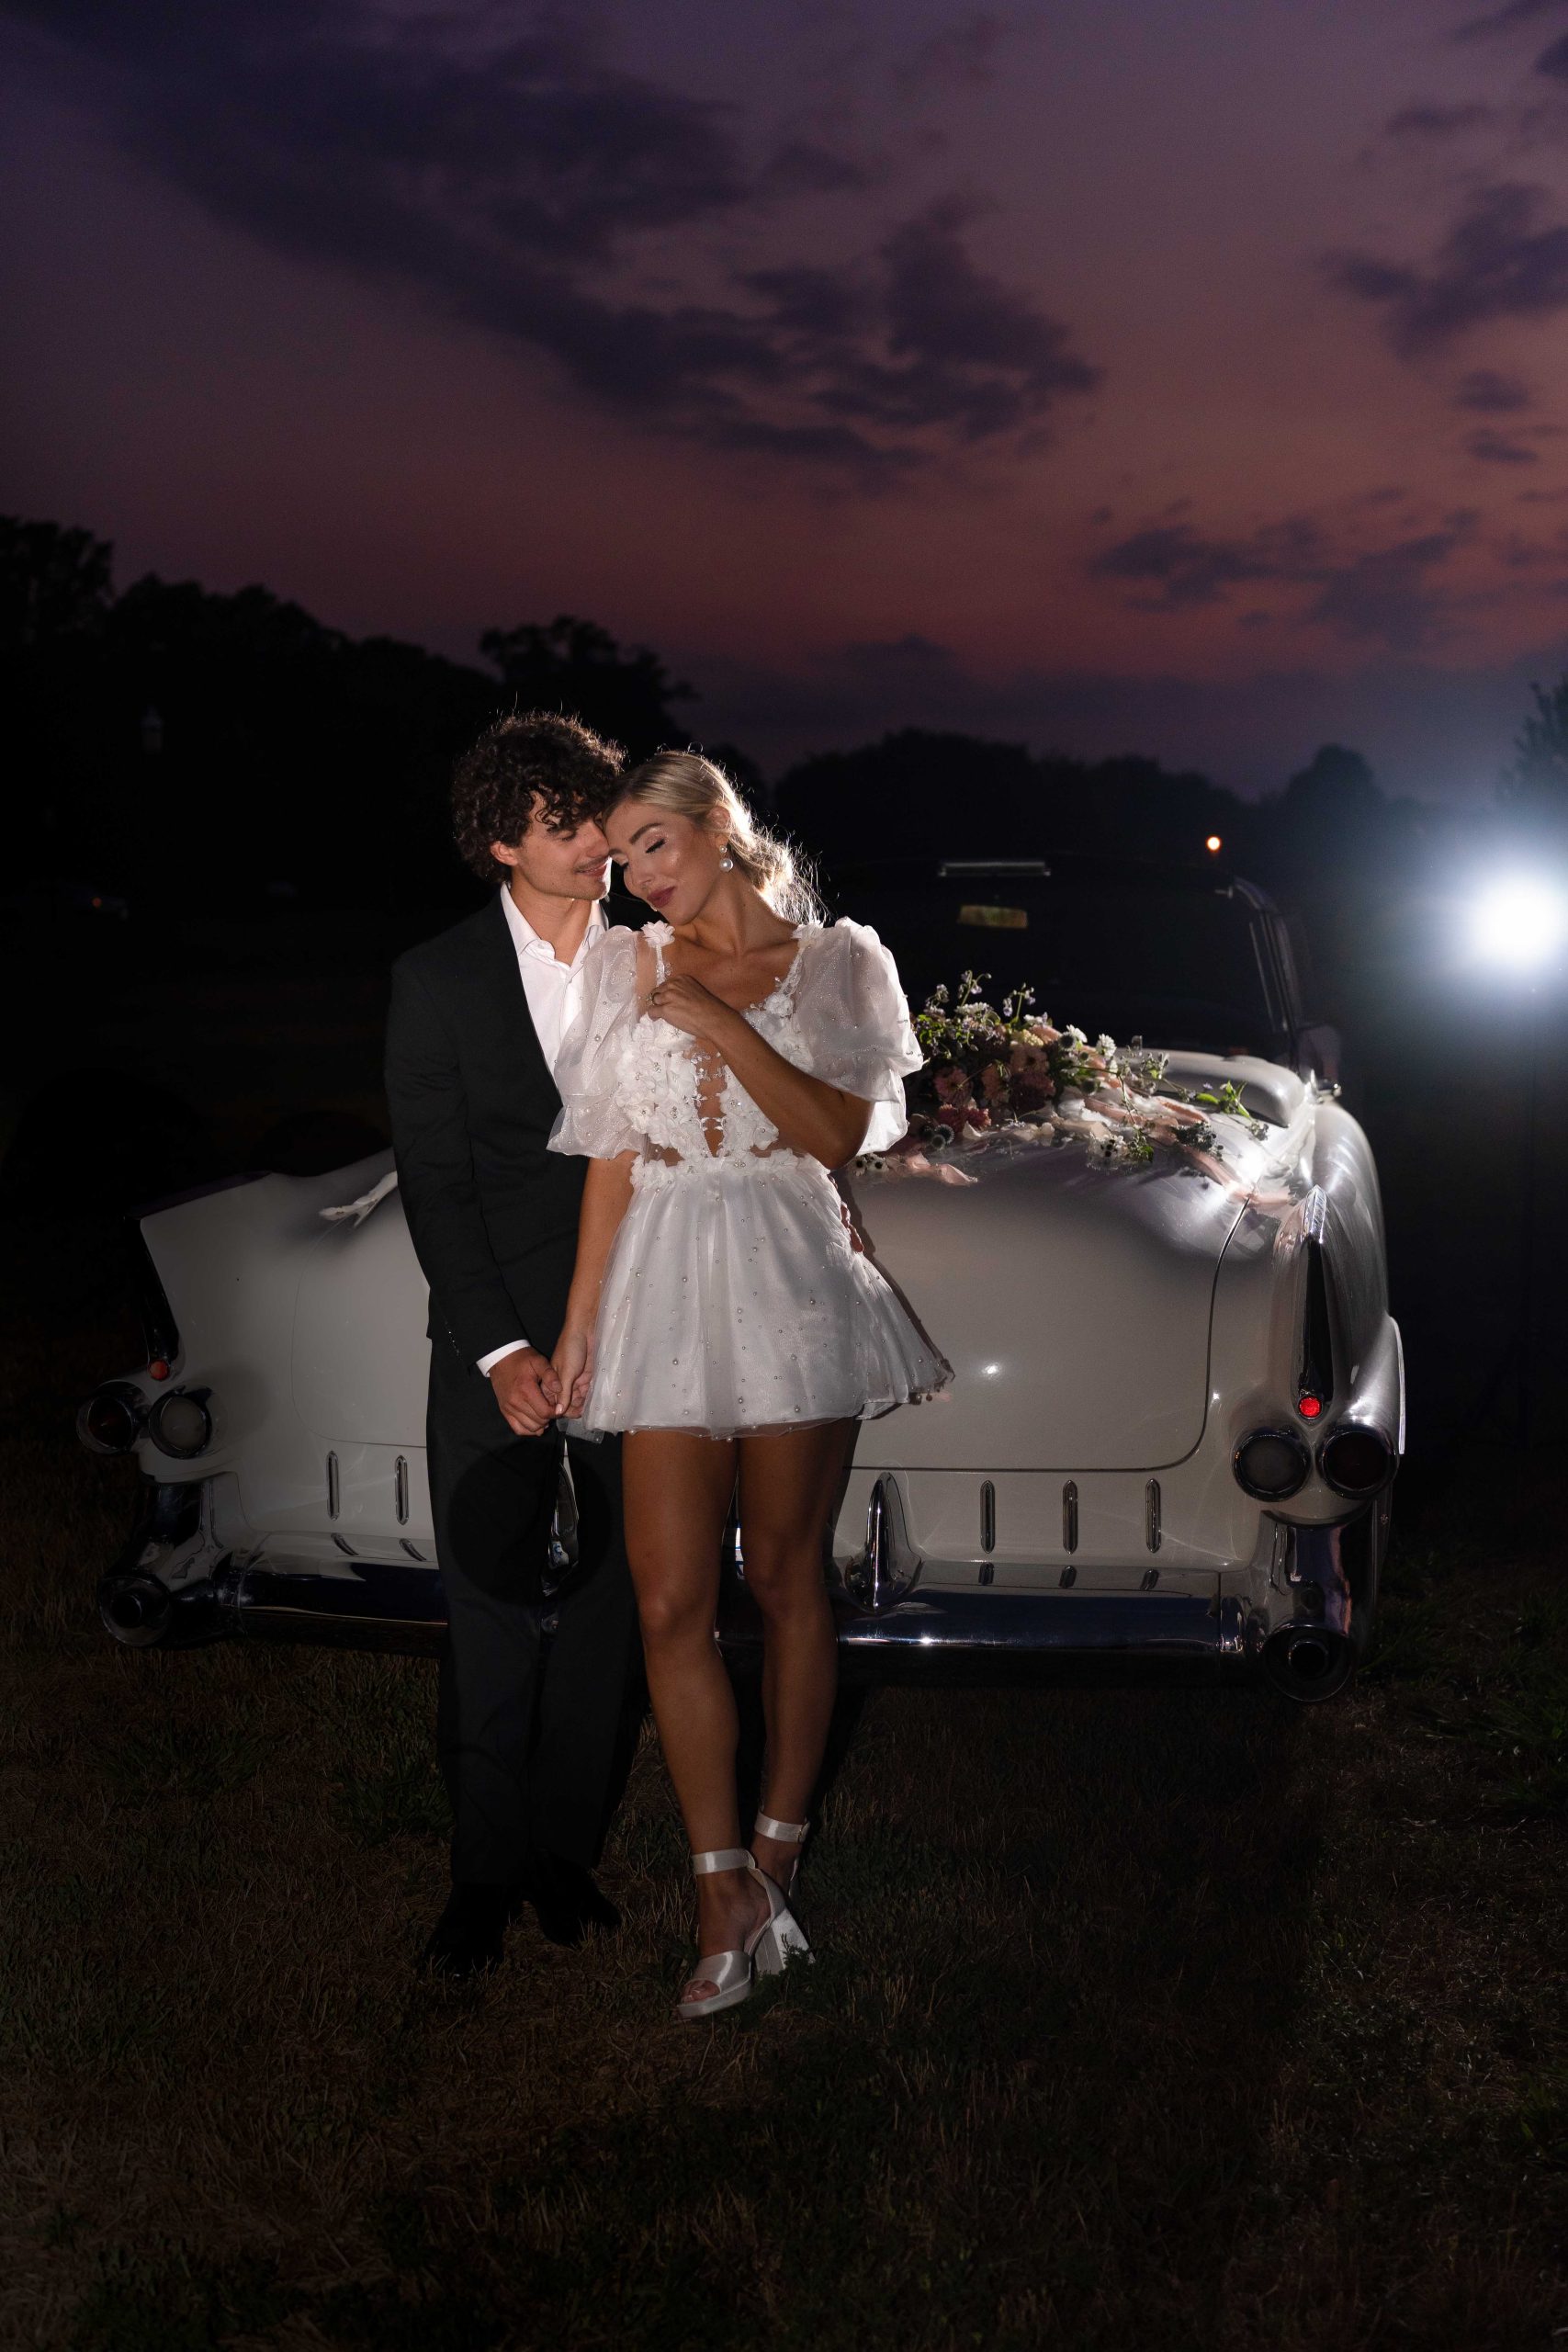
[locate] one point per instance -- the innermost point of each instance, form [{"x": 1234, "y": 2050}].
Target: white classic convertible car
[{"x": 1176, "y": 1417}]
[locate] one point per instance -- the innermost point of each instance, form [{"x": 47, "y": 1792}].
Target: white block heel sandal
[{"x": 733, "y": 1974}]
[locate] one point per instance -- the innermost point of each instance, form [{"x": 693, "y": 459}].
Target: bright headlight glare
[{"x": 1520, "y": 922}]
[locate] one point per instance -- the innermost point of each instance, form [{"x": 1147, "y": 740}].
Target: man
[{"x": 531, "y": 1732}]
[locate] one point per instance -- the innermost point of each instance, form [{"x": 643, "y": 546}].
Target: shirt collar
[{"x": 528, "y": 942}]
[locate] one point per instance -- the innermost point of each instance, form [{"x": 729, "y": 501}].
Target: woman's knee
[
  {"x": 786, "y": 1580},
  {"x": 673, "y": 1611}
]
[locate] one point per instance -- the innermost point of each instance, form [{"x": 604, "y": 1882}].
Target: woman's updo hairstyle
[{"x": 689, "y": 785}]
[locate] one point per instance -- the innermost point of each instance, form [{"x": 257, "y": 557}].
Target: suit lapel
[{"x": 499, "y": 956}]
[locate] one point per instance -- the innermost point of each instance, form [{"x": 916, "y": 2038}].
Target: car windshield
[{"x": 1180, "y": 966}]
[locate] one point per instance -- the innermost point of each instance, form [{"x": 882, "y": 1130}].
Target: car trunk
[{"x": 1072, "y": 1301}]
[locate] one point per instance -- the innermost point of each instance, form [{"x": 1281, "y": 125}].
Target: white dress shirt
[{"x": 550, "y": 988}]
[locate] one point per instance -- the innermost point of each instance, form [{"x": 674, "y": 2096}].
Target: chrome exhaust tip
[
  {"x": 1308, "y": 1662},
  {"x": 135, "y": 1609}
]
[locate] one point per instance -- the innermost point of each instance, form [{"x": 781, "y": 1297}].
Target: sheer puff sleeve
[
  {"x": 595, "y": 1120},
  {"x": 854, "y": 1025}
]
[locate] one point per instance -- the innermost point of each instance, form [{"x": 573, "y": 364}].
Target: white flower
[{"x": 1106, "y": 1044}]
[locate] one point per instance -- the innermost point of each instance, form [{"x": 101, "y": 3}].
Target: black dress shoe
[
  {"x": 470, "y": 1935},
  {"x": 567, "y": 1900}
]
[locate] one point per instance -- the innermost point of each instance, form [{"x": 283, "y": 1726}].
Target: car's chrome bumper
[{"x": 1302, "y": 1619}]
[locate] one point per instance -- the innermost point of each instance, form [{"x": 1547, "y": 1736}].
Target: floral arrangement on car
[{"x": 1013, "y": 1073}]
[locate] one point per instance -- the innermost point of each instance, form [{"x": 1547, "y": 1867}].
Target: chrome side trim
[
  {"x": 889, "y": 1567},
  {"x": 988, "y": 1516},
  {"x": 333, "y": 1494},
  {"x": 1314, "y": 1213},
  {"x": 400, "y": 1491},
  {"x": 1315, "y": 1358},
  {"x": 1162, "y": 1625},
  {"x": 1151, "y": 1515},
  {"x": 383, "y": 1606},
  {"x": 1070, "y": 1516}
]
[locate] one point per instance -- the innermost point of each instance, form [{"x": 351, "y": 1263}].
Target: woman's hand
[
  {"x": 687, "y": 1005},
  {"x": 573, "y": 1366}
]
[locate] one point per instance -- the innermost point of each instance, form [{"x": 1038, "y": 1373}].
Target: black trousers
[{"x": 541, "y": 1692}]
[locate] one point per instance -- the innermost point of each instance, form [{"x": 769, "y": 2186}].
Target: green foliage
[{"x": 986, "y": 1068}]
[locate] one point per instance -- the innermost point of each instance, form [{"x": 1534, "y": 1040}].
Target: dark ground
[{"x": 1158, "y": 2018}]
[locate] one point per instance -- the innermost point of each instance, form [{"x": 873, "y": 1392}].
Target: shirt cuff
[{"x": 513, "y": 1346}]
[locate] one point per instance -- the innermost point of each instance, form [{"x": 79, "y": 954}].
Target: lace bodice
[{"x": 631, "y": 1082}]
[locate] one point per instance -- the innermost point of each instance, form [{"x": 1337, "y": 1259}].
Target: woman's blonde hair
[{"x": 690, "y": 785}]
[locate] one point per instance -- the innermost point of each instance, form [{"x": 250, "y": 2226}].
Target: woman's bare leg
[
  {"x": 789, "y": 1483},
  {"x": 677, "y": 1488}
]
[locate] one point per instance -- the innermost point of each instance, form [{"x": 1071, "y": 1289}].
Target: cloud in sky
[
  {"x": 1502, "y": 258},
  {"x": 1389, "y": 594},
  {"x": 1500, "y": 448},
  {"x": 1436, "y": 122},
  {"x": 1489, "y": 392},
  {"x": 1506, "y": 19},
  {"x": 509, "y": 174},
  {"x": 964, "y": 51}
]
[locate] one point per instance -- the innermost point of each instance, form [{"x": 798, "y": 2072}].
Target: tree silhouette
[
  {"x": 54, "y": 583},
  {"x": 923, "y": 795},
  {"x": 577, "y": 667},
  {"x": 1536, "y": 783}
]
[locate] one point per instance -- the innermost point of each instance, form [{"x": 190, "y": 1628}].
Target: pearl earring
[{"x": 724, "y": 863}]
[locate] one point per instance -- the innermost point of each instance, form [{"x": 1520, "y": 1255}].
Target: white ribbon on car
[{"x": 360, "y": 1209}]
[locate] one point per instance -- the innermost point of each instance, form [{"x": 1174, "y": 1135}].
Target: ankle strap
[
  {"x": 787, "y": 1833},
  {"x": 722, "y": 1858}
]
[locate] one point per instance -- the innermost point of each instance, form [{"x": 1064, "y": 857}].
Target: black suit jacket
[{"x": 491, "y": 1212}]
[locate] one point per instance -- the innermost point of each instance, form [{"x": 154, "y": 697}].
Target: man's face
[{"x": 574, "y": 864}]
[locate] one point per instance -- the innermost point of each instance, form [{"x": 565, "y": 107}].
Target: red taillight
[
  {"x": 1308, "y": 1406},
  {"x": 110, "y": 1421},
  {"x": 1356, "y": 1460},
  {"x": 157, "y": 1369}
]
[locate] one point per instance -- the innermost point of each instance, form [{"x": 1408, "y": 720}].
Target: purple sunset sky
[{"x": 1117, "y": 374}]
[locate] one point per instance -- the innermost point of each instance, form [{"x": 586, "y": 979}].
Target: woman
[{"x": 723, "y": 1062}]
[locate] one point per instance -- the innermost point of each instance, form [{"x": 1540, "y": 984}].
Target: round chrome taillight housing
[
  {"x": 110, "y": 1421},
  {"x": 1356, "y": 1459},
  {"x": 180, "y": 1425},
  {"x": 1271, "y": 1465}
]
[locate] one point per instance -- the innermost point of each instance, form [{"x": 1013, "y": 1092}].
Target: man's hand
[{"x": 526, "y": 1390}]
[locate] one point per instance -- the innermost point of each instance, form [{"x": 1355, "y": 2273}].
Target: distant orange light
[{"x": 1212, "y": 842}]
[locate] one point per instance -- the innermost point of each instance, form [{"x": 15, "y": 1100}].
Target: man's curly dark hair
[{"x": 531, "y": 762}]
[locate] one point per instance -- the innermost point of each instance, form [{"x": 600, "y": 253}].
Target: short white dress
[{"x": 734, "y": 1298}]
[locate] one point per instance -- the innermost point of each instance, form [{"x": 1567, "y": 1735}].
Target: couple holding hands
[{"x": 615, "y": 1149}]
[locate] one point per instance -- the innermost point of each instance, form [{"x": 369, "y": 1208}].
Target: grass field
[{"x": 1145, "y": 2018}]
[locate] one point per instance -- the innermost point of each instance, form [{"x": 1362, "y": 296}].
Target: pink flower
[
  {"x": 994, "y": 1083},
  {"x": 952, "y": 1083}
]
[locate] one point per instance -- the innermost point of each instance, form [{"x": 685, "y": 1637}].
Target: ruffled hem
[{"x": 733, "y": 1307}]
